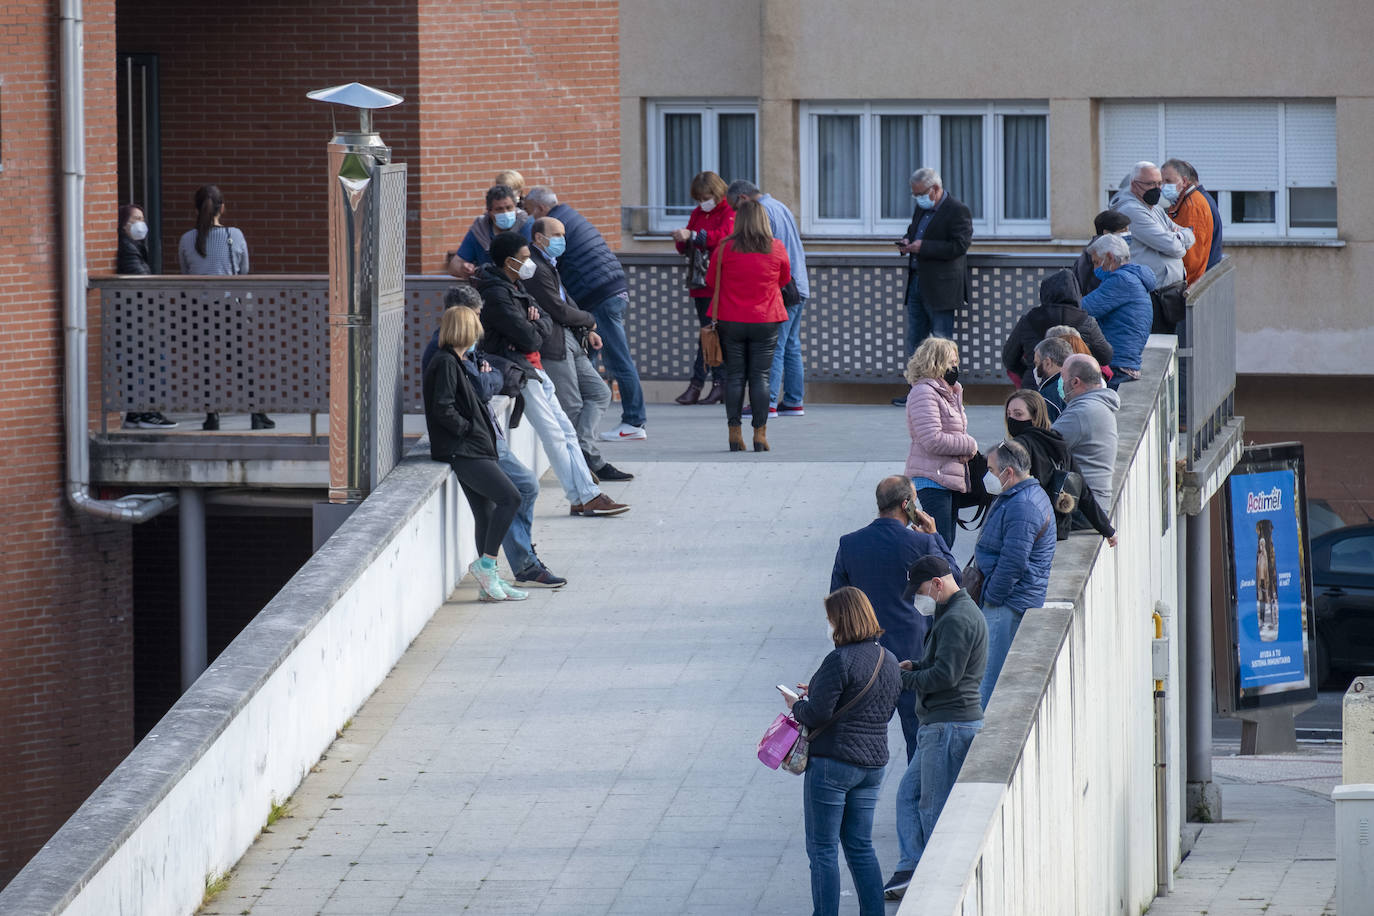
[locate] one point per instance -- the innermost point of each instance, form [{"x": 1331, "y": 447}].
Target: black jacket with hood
[
  {"x": 1060, "y": 303},
  {"x": 1048, "y": 453}
]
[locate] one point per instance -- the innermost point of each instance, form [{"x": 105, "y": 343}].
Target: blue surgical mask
[
  {"x": 1125, "y": 237},
  {"x": 505, "y": 220},
  {"x": 469, "y": 351},
  {"x": 557, "y": 245},
  {"x": 1169, "y": 192},
  {"x": 1060, "y": 386},
  {"x": 923, "y": 201},
  {"x": 1101, "y": 273}
]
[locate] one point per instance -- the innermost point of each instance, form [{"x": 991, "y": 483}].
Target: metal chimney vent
[{"x": 356, "y": 95}]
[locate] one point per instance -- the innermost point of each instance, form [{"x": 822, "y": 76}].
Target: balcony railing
[{"x": 260, "y": 342}]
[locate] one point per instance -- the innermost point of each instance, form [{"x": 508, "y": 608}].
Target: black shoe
[
  {"x": 609, "y": 471},
  {"x": 155, "y": 420},
  {"x": 263, "y": 421},
  {"x": 131, "y": 420},
  {"x": 899, "y": 402},
  {"x": 539, "y": 576},
  {"x": 211, "y": 421},
  {"x": 896, "y": 885}
]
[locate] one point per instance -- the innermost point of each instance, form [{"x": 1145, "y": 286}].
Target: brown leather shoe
[
  {"x": 690, "y": 396},
  {"x": 575, "y": 509},
  {"x": 736, "y": 439},
  {"x": 760, "y": 439},
  {"x": 603, "y": 505},
  {"x": 715, "y": 395}
]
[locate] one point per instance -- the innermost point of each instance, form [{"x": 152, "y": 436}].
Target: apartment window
[
  {"x": 685, "y": 138},
  {"x": 857, "y": 161},
  {"x": 1270, "y": 164}
]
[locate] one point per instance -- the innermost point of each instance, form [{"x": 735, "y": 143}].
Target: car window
[{"x": 1353, "y": 555}]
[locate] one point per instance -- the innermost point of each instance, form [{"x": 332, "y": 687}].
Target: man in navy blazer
[{"x": 875, "y": 560}]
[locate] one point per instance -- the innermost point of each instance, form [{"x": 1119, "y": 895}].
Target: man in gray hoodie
[
  {"x": 1088, "y": 423},
  {"x": 1156, "y": 241}
]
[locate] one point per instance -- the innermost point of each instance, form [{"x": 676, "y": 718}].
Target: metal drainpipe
[{"x": 136, "y": 507}]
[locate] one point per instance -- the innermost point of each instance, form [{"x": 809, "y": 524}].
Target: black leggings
[
  {"x": 493, "y": 498},
  {"x": 748, "y": 347}
]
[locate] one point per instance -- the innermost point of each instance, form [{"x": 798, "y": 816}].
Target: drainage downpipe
[{"x": 134, "y": 507}]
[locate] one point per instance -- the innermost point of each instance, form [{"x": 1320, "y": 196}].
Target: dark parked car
[{"x": 1343, "y": 592}]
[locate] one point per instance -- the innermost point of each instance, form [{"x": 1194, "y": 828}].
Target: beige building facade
[{"x": 1032, "y": 111}]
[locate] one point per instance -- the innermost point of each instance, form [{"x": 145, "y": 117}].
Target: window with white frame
[
  {"x": 685, "y": 138},
  {"x": 857, "y": 160},
  {"x": 1270, "y": 164}
]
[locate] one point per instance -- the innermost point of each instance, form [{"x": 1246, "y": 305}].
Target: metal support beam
[
  {"x": 191, "y": 539},
  {"x": 1204, "y": 799}
]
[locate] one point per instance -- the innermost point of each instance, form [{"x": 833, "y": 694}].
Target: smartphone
[
  {"x": 898, "y": 243},
  {"x": 789, "y": 692}
]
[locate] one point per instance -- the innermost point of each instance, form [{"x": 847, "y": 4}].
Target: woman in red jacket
[
  {"x": 711, "y": 221},
  {"x": 753, "y": 267}
]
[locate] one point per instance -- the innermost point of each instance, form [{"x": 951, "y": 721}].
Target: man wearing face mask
[
  {"x": 515, "y": 328},
  {"x": 1156, "y": 241},
  {"x": 502, "y": 215},
  {"x": 944, "y": 679},
  {"x": 936, "y": 243},
  {"x": 1014, "y": 553},
  {"x": 581, "y": 391},
  {"x": 1188, "y": 207},
  {"x": 1088, "y": 423},
  {"x": 875, "y": 559}
]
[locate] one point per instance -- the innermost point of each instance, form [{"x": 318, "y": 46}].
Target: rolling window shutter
[
  {"x": 1130, "y": 133},
  {"x": 1233, "y": 145},
  {"x": 1309, "y": 140}
]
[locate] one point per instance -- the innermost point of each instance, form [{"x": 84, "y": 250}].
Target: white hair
[
  {"x": 1140, "y": 168},
  {"x": 1110, "y": 244},
  {"x": 926, "y": 176},
  {"x": 542, "y": 195}
]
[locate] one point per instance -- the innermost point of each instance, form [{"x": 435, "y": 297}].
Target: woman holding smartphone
[{"x": 847, "y": 706}]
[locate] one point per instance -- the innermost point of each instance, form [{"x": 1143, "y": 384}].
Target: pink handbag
[{"x": 777, "y": 741}]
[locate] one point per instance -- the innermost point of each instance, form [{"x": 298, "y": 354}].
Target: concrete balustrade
[
  {"x": 1055, "y": 808},
  {"x": 183, "y": 807}
]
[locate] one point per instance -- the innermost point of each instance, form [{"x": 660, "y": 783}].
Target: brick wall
[{"x": 65, "y": 629}]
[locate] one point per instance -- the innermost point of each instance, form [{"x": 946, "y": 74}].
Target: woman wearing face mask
[
  {"x": 132, "y": 258},
  {"x": 1028, "y": 422},
  {"x": 1121, "y": 304},
  {"x": 463, "y": 434},
  {"x": 940, "y": 444},
  {"x": 711, "y": 221}
]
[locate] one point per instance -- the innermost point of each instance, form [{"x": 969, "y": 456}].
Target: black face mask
[
  {"x": 952, "y": 374},
  {"x": 1151, "y": 196},
  {"x": 1017, "y": 427}
]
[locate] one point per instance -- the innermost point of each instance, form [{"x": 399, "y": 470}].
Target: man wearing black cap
[{"x": 945, "y": 680}]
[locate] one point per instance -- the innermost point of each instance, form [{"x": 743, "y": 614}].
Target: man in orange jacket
[{"x": 1188, "y": 207}]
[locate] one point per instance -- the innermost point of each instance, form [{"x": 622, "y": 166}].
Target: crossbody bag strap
[
  {"x": 715, "y": 287},
  {"x": 229, "y": 244},
  {"x": 850, "y": 705}
]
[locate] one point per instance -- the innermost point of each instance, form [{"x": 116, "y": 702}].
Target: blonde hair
[
  {"x": 459, "y": 328},
  {"x": 511, "y": 179},
  {"x": 850, "y": 613},
  {"x": 931, "y": 359}
]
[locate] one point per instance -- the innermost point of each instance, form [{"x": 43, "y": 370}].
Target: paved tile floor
[{"x": 592, "y": 749}]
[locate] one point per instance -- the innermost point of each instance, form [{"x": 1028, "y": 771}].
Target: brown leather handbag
[{"x": 711, "y": 353}]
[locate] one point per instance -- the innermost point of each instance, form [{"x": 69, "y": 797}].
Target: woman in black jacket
[
  {"x": 462, "y": 433},
  {"x": 1060, "y": 303},
  {"x": 132, "y": 258},
  {"x": 1028, "y": 420},
  {"x": 848, "y": 752}
]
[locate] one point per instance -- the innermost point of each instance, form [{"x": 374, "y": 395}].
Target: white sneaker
[
  {"x": 624, "y": 432},
  {"x": 488, "y": 581}
]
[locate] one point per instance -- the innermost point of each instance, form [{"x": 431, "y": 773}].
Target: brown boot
[
  {"x": 691, "y": 395},
  {"x": 736, "y": 439},
  {"x": 760, "y": 439},
  {"x": 715, "y": 395}
]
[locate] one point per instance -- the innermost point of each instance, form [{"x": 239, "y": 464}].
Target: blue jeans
[
  {"x": 938, "y": 503},
  {"x": 911, "y": 726},
  {"x": 1003, "y": 623},
  {"x": 839, "y": 798},
  {"x": 788, "y": 375},
  {"x": 921, "y": 322},
  {"x": 559, "y": 438},
  {"x": 940, "y": 751},
  {"x": 615, "y": 352},
  {"x": 516, "y": 543}
]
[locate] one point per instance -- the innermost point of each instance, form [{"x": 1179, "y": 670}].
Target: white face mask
[
  {"x": 526, "y": 269},
  {"x": 138, "y": 230},
  {"x": 707, "y": 206},
  {"x": 925, "y": 605}
]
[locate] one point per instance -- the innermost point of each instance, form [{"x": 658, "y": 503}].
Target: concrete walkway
[
  {"x": 592, "y": 750},
  {"x": 1274, "y": 853}
]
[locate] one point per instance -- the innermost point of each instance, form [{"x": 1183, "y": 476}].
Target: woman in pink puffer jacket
[{"x": 940, "y": 444}]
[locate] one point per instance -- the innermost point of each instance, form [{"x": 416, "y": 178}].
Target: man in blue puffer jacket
[
  {"x": 1121, "y": 303},
  {"x": 1014, "y": 554},
  {"x": 593, "y": 277}
]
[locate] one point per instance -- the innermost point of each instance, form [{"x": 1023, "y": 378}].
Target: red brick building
[{"x": 531, "y": 86}]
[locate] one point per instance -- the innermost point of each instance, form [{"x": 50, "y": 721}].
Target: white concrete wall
[
  {"x": 191, "y": 798},
  {"x": 1072, "y": 828}
]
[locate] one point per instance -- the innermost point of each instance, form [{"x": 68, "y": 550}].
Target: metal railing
[{"x": 260, "y": 342}]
